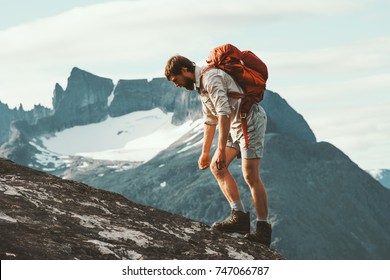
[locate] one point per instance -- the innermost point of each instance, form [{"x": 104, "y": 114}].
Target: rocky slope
[{"x": 45, "y": 217}]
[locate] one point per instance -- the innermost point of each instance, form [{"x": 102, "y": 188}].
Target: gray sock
[
  {"x": 237, "y": 206},
  {"x": 262, "y": 220}
]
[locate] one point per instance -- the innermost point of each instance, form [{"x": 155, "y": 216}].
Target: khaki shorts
[{"x": 257, "y": 123}]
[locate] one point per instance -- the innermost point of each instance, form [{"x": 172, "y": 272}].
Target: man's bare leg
[
  {"x": 239, "y": 220},
  {"x": 226, "y": 182},
  {"x": 251, "y": 173}
]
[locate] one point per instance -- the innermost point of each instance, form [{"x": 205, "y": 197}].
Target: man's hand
[
  {"x": 220, "y": 159},
  {"x": 204, "y": 161}
]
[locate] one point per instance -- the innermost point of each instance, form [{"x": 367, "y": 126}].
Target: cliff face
[
  {"x": 84, "y": 101},
  {"x": 131, "y": 96},
  {"x": 139, "y": 95},
  {"x": 45, "y": 217},
  {"x": 8, "y": 116},
  {"x": 283, "y": 119}
]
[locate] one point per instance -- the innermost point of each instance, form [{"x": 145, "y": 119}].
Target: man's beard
[{"x": 188, "y": 84}]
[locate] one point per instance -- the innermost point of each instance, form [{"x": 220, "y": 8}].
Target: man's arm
[
  {"x": 204, "y": 159},
  {"x": 213, "y": 81},
  {"x": 220, "y": 154}
]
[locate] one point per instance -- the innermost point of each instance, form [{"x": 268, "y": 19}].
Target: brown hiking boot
[
  {"x": 238, "y": 222},
  {"x": 262, "y": 234}
]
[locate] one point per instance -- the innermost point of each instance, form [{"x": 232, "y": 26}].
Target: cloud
[
  {"x": 131, "y": 39},
  {"x": 362, "y": 132},
  {"x": 356, "y": 57},
  {"x": 353, "y": 115},
  {"x": 139, "y": 36}
]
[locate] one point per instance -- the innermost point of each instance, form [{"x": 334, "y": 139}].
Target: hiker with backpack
[{"x": 230, "y": 87}]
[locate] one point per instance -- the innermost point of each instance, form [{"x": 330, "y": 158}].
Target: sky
[{"x": 329, "y": 59}]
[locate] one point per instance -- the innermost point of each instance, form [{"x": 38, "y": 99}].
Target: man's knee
[
  {"x": 252, "y": 179},
  {"x": 218, "y": 173},
  {"x": 251, "y": 172}
]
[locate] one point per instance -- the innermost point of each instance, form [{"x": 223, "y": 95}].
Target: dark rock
[
  {"x": 18, "y": 147},
  {"x": 283, "y": 119},
  {"x": 45, "y": 217},
  {"x": 131, "y": 96},
  {"x": 84, "y": 101},
  {"x": 8, "y": 116}
]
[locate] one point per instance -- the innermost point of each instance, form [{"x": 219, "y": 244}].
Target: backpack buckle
[{"x": 243, "y": 115}]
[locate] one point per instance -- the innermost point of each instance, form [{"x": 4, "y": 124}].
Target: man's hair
[{"x": 176, "y": 63}]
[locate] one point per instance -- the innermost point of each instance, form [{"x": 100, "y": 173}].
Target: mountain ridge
[{"x": 87, "y": 99}]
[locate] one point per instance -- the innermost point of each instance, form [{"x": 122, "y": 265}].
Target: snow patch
[
  {"x": 136, "y": 137},
  {"x": 376, "y": 173},
  {"x": 190, "y": 146},
  {"x": 111, "y": 96},
  {"x": 125, "y": 167},
  {"x": 83, "y": 165},
  {"x": 47, "y": 158},
  {"x": 198, "y": 129}
]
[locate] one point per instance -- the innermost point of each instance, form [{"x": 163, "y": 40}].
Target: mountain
[
  {"x": 10, "y": 115},
  {"x": 90, "y": 99},
  {"x": 382, "y": 175},
  {"x": 46, "y": 217},
  {"x": 322, "y": 205}
]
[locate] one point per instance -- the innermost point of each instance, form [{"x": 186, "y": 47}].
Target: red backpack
[{"x": 249, "y": 71}]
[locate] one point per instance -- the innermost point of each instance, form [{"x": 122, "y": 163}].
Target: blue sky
[{"x": 329, "y": 59}]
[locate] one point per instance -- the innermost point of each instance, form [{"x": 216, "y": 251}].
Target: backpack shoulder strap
[{"x": 209, "y": 67}]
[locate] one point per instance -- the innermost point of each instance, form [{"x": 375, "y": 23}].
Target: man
[{"x": 219, "y": 109}]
